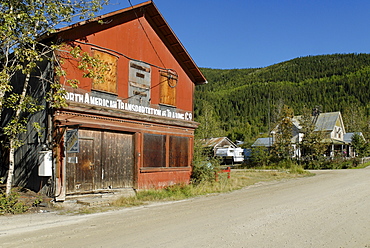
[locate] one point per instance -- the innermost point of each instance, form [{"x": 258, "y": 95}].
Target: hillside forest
[{"x": 243, "y": 104}]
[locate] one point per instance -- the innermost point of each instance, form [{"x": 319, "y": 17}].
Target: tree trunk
[
  {"x": 9, "y": 180},
  {"x": 18, "y": 112}
]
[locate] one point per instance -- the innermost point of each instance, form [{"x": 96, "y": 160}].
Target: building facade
[{"x": 136, "y": 128}]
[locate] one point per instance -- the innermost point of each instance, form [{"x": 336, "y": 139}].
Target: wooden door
[
  {"x": 83, "y": 168},
  {"x": 104, "y": 160},
  {"x": 117, "y": 160}
]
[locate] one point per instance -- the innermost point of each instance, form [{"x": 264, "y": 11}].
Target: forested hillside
[{"x": 243, "y": 103}]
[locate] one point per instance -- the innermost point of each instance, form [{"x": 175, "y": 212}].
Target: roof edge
[{"x": 189, "y": 66}]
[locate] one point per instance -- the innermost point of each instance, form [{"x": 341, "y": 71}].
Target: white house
[{"x": 330, "y": 123}]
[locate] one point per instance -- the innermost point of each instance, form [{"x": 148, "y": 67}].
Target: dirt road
[{"x": 331, "y": 209}]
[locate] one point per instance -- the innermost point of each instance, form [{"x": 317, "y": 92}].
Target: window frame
[{"x": 165, "y": 151}]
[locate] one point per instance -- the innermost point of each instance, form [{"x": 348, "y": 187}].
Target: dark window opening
[
  {"x": 179, "y": 151},
  {"x": 154, "y": 150}
]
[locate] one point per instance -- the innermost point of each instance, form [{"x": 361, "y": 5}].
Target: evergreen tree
[{"x": 360, "y": 146}]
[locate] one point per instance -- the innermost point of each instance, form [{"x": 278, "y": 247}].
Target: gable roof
[
  {"x": 327, "y": 121},
  {"x": 150, "y": 12},
  {"x": 219, "y": 142},
  {"x": 323, "y": 121}
]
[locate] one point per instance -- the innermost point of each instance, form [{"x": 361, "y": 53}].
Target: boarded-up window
[
  {"x": 139, "y": 83},
  {"x": 154, "y": 150},
  {"x": 168, "y": 83},
  {"x": 110, "y": 76},
  {"x": 179, "y": 151}
]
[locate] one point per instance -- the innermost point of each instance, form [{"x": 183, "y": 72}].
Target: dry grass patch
[{"x": 239, "y": 179}]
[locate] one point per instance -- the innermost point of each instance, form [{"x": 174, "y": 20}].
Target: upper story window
[
  {"x": 110, "y": 76},
  {"x": 168, "y": 83},
  {"x": 338, "y": 132},
  {"x": 139, "y": 83}
]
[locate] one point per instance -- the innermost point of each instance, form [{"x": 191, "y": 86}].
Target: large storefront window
[{"x": 157, "y": 152}]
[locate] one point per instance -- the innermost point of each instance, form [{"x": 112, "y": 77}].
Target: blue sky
[{"x": 228, "y": 34}]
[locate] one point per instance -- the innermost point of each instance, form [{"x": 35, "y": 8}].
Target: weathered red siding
[{"x": 161, "y": 144}]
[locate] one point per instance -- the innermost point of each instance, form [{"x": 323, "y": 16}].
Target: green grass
[{"x": 361, "y": 166}]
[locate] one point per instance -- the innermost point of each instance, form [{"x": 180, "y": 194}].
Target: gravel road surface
[{"x": 331, "y": 209}]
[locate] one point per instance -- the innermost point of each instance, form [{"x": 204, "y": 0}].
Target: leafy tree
[
  {"x": 210, "y": 126},
  {"x": 204, "y": 165},
  {"x": 312, "y": 145},
  {"x": 22, "y": 26},
  {"x": 282, "y": 147}
]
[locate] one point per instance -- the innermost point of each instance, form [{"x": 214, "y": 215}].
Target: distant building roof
[
  {"x": 323, "y": 122},
  {"x": 327, "y": 121},
  {"x": 218, "y": 142},
  {"x": 348, "y": 136},
  {"x": 266, "y": 142}
]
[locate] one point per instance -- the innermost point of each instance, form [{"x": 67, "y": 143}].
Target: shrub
[
  {"x": 204, "y": 166},
  {"x": 11, "y": 204},
  {"x": 204, "y": 171},
  {"x": 260, "y": 157},
  {"x": 331, "y": 164}
]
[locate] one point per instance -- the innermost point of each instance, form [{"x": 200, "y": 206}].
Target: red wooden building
[{"x": 136, "y": 129}]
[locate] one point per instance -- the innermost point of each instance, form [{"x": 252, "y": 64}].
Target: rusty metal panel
[
  {"x": 117, "y": 160},
  {"x": 154, "y": 150},
  {"x": 179, "y": 151}
]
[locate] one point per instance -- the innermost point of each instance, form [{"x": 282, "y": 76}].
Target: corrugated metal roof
[
  {"x": 333, "y": 141},
  {"x": 266, "y": 142},
  {"x": 327, "y": 121},
  {"x": 348, "y": 136},
  {"x": 324, "y": 122}
]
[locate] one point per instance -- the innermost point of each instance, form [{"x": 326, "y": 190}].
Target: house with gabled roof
[
  {"x": 135, "y": 130},
  {"x": 331, "y": 124}
]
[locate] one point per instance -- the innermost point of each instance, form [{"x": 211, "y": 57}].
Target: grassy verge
[
  {"x": 239, "y": 179},
  {"x": 361, "y": 166}
]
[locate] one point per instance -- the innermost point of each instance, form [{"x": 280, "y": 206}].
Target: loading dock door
[{"x": 104, "y": 160}]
